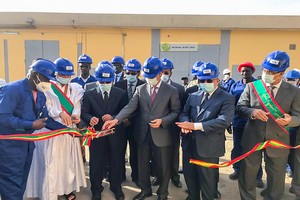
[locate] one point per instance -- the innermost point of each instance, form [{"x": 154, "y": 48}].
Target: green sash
[
  {"x": 65, "y": 102},
  {"x": 267, "y": 101}
]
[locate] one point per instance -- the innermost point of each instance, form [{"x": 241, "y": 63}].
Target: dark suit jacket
[
  {"x": 256, "y": 131},
  {"x": 94, "y": 105},
  {"x": 166, "y": 107},
  {"x": 215, "y": 115}
]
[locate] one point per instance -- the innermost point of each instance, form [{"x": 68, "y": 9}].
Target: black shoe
[
  {"x": 217, "y": 195},
  {"x": 292, "y": 190},
  {"x": 96, "y": 197},
  {"x": 155, "y": 182},
  {"x": 177, "y": 183},
  {"x": 234, "y": 175},
  {"x": 142, "y": 195},
  {"x": 260, "y": 183},
  {"x": 263, "y": 192},
  {"x": 119, "y": 196}
]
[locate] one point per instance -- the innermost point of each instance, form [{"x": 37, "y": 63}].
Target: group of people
[{"x": 152, "y": 114}]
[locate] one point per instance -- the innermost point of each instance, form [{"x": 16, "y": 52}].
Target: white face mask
[
  {"x": 268, "y": 78},
  {"x": 152, "y": 81},
  {"x": 165, "y": 77},
  {"x": 62, "y": 80},
  {"x": 207, "y": 87},
  {"x": 105, "y": 87},
  {"x": 42, "y": 86},
  {"x": 226, "y": 77}
]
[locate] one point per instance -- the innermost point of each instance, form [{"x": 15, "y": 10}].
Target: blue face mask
[
  {"x": 207, "y": 87},
  {"x": 131, "y": 78},
  {"x": 62, "y": 80},
  {"x": 105, "y": 87}
]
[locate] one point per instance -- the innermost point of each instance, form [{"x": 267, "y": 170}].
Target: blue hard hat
[
  {"x": 133, "y": 65},
  {"x": 277, "y": 61},
  {"x": 84, "y": 58},
  {"x": 195, "y": 67},
  {"x": 152, "y": 67},
  {"x": 104, "y": 73},
  {"x": 118, "y": 59},
  {"x": 44, "y": 67},
  {"x": 105, "y": 62},
  {"x": 64, "y": 66},
  {"x": 208, "y": 71},
  {"x": 167, "y": 64},
  {"x": 293, "y": 74}
]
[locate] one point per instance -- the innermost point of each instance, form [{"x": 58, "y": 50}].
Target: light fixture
[{"x": 10, "y": 32}]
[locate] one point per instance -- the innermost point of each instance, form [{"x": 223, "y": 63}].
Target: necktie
[
  {"x": 129, "y": 91},
  {"x": 205, "y": 98},
  {"x": 105, "y": 96},
  {"x": 153, "y": 95},
  {"x": 271, "y": 88}
]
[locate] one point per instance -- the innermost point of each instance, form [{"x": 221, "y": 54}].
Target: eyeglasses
[
  {"x": 166, "y": 73},
  {"x": 84, "y": 66},
  {"x": 290, "y": 79},
  {"x": 131, "y": 73},
  {"x": 205, "y": 80}
]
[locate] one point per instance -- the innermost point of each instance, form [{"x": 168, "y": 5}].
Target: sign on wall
[{"x": 178, "y": 47}]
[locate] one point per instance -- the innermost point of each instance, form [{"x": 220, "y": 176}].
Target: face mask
[
  {"x": 207, "y": 87},
  {"x": 268, "y": 78},
  {"x": 226, "y": 77},
  {"x": 105, "y": 87},
  {"x": 152, "y": 81},
  {"x": 131, "y": 78},
  {"x": 62, "y": 80},
  {"x": 42, "y": 86},
  {"x": 165, "y": 77}
]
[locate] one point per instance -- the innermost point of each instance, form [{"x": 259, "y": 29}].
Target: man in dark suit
[
  {"x": 118, "y": 63},
  {"x": 206, "y": 115},
  {"x": 99, "y": 105},
  {"x": 166, "y": 77},
  {"x": 267, "y": 124},
  {"x": 158, "y": 106},
  {"x": 132, "y": 71}
]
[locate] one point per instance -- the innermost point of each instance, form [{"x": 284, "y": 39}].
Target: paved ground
[{"x": 227, "y": 187}]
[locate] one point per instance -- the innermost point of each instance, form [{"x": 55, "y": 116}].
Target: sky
[{"x": 187, "y": 7}]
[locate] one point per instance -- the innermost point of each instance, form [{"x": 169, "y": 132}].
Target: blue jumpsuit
[
  {"x": 17, "y": 113},
  {"x": 228, "y": 84},
  {"x": 238, "y": 124},
  {"x": 80, "y": 81}
]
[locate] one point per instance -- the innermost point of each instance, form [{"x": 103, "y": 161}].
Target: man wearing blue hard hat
[
  {"x": 293, "y": 77},
  {"x": 57, "y": 162},
  {"x": 195, "y": 69},
  {"x": 100, "y": 105},
  {"x": 118, "y": 63},
  {"x": 131, "y": 82},
  {"x": 158, "y": 106},
  {"x": 22, "y": 111},
  {"x": 84, "y": 63},
  {"x": 205, "y": 117},
  {"x": 268, "y": 110},
  {"x": 166, "y": 77}
]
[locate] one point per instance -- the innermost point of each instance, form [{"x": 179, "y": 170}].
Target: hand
[
  {"x": 260, "y": 114},
  {"x": 109, "y": 124},
  {"x": 155, "y": 123},
  {"x": 94, "y": 121},
  {"x": 65, "y": 118},
  {"x": 39, "y": 124},
  {"x": 75, "y": 118},
  {"x": 284, "y": 120},
  {"x": 186, "y": 127},
  {"x": 126, "y": 122},
  {"x": 106, "y": 117}
]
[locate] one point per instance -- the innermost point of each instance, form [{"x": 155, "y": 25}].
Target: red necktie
[{"x": 153, "y": 95}]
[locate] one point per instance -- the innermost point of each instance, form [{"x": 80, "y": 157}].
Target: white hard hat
[{"x": 226, "y": 71}]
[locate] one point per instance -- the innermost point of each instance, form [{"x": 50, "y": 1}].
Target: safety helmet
[
  {"x": 104, "y": 73},
  {"x": 133, "y": 65},
  {"x": 44, "y": 67},
  {"x": 84, "y": 58},
  {"x": 293, "y": 74},
  {"x": 64, "y": 66},
  {"x": 277, "y": 61},
  {"x": 195, "y": 67},
  {"x": 152, "y": 67},
  {"x": 226, "y": 71},
  {"x": 167, "y": 64},
  {"x": 118, "y": 59},
  {"x": 208, "y": 71},
  {"x": 105, "y": 62},
  {"x": 246, "y": 64}
]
